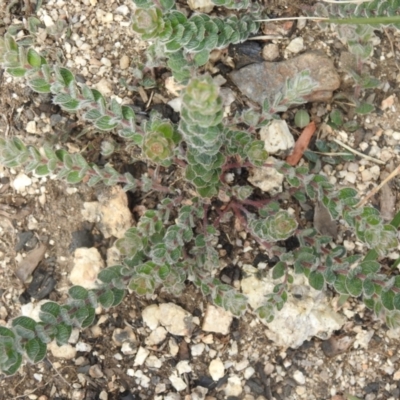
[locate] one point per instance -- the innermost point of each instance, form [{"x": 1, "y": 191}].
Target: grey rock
[{"x": 258, "y": 80}]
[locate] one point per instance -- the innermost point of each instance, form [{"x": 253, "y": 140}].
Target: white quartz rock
[
  {"x": 87, "y": 264},
  {"x": 216, "y": 369},
  {"x": 217, "y": 320},
  {"x": 204, "y": 6},
  {"x": 268, "y": 179},
  {"x": 306, "y": 313},
  {"x": 277, "y": 137}
]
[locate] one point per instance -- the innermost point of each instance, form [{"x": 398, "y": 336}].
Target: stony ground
[{"x": 130, "y": 353}]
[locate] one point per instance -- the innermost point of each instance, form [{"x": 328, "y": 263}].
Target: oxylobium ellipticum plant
[{"x": 176, "y": 241}]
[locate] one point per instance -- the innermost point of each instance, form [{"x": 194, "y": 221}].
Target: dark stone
[
  {"x": 259, "y": 80},
  {"x": 167, "y": 112},
  {"x": 207, "y": 382},
  {"x": 245, "y": 53},
  {"x": 81, "y": 238},
  {"x": 23, "y": 239},
  {"x": 292, "y": 243},
  {"x": 372, "y": 387},
  {"x": 260, "y": 257},
  {"x": 255, "y": 386},
  {"x": 127, "y": 395},
  {"x": 43, "y": 282}
]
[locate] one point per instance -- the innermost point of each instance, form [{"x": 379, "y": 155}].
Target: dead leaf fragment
[
  {"x": 30, "y": 262},
  {"x": 323, "y": 222},
  {"x": 387, "y": 200},
  {"x": 387, "y": 103},
  {"x": 301, "y": 144},
  {"x": 336, "y": 345}
]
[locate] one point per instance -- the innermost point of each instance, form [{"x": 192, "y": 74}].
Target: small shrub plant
[{"x": 176, "y": 241}]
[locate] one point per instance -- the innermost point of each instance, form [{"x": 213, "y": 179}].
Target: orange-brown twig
[{"x": 301, "y": 144}]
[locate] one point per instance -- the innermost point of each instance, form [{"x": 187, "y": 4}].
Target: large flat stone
[{"x": 258, "y": 80}]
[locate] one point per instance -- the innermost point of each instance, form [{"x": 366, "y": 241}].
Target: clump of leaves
[{"x": 177, "y": 240}]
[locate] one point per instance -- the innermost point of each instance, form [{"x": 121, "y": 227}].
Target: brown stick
[{"x": 301, "y": 144}]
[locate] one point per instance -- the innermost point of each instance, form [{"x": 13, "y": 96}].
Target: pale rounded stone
[
  {"x": 299, "y": 377},
  {"x": 21, "y": 182},
  {"x": 277, "y": 137},
  {"x": 151, "y": 316},
  {"x": 270, "y": 52},
  {"x": 153, "y": 362},
  {"x": 216, "y": 369},
  {"x": 31, "y": 127},
  {"x": 87, "y": 264},
  {"x": 176, "y": 320},
  {"x": 204, "y": 6},
  {"x": 124, "y": 62},
  {"x": 183, "y": 367},
  {"x": 249, "y": 372},
  {"x": 84, "y": 347},
  {"x": 104, "y": 87},
  {"x": 48, "y": 21},
  {"x": 268, "y": 179},
  {"x": 217, "y": 320},
  {"x": 66, "y": 351},
  {"x": 177, "y": 382},
  {"x": 296, "y": 45},
  {"x": 141, "y": 356},
  {"x": 156, "y": 337},
  {"x": 197, "y": 349},
  {"x": 234, "y": 386},
  {"x": 95, "y": 371},
  {"x": 306, "y": 313}
]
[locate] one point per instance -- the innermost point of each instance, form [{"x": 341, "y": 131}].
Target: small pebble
[
  {"x": 296, "y": 45},
  {"x": 299, "y": 377},
  {"x": 216, "y": 369},
  {"x": 124, "y": 62},
  {"x": 141, "y": 356}
]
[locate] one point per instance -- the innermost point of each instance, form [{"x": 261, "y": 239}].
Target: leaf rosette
[
  {"x": 282, "y": 225},
  {"x": 148, "y": 22},
  {"x": 202, "y": 103}
]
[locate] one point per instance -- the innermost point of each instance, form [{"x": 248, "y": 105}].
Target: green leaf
[
  {"x": 34, "y": 59},
  {"x": 164, "y": 271},
  {"x": 119, "y": 295},
  {"x": 201, "y": 57},
  {"x": 364, "y": 108},
  {"x": 63, "y": 333},
  {"x": 74, "y": 177},
  {"x": 92, "y": 114},
  {"x": 67, "y": 76},
  {"x": 108, "y": 274},
  {"x": 301, "y": 118},
  {"x": 25, "y": 327},
  {"x": 78, "y": 293},
  {"x": 354, "y": 286},
  {"x": 336, "y": 117},
  {"x": 340, "y": 284},
  {"x": 368, "y": 288},
  {"x": 42, "y": 170},
  {"x": 396, "y": 301},
  {"x": 105, "y": 123},
  {"x": 49, "y": 312},
  {"x": 39, "y": 85},
  {"x": 17, "y": 72},
  {"x": 17, "y": 361},
  {"x": 316, "y": 280},
  {"x": 279, "y": 270},
  {"x": 35, "y": 350},
  {"x": 369, "y": 267},
  {"x": 106, "y": 299},
  {"x": 387, "y": 298}
]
